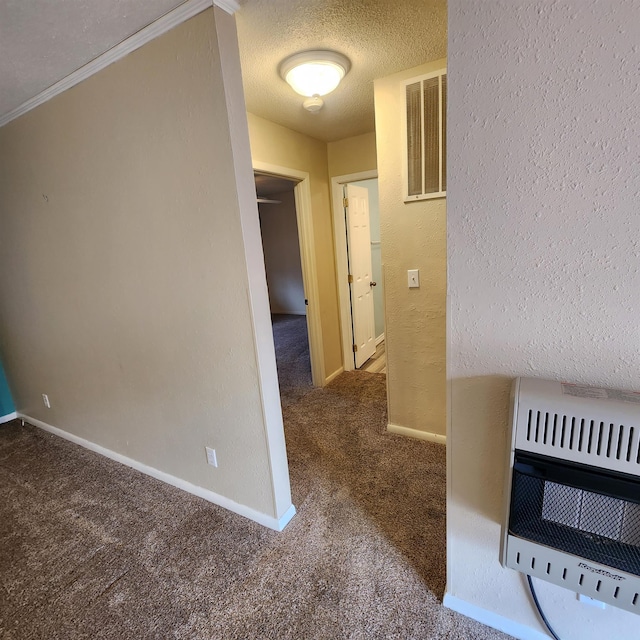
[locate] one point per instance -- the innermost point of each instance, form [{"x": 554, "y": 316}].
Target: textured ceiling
[
  {"x": 42, "y": 41},
  {"x": 380, "y": 37}
]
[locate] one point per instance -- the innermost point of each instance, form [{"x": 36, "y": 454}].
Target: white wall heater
[{"x": 573, "y": 489}]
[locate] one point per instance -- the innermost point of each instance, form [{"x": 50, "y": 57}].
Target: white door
[{"x": 359, "y": 240}]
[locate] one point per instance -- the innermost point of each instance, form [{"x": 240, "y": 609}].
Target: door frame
[
  {"x": 302, "y": 195},
  {"x": 342, "y": 263}
]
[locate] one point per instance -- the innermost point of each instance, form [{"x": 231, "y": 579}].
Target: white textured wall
[
  {"x": 280, "y": 242},
  {"x": 543, "y": 253}
]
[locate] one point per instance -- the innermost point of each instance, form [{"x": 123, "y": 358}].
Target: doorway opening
[
  {"x": 287, "y": 240},
  {"x": 283, "y": 267},
  {"x": 360, "y": 271}
]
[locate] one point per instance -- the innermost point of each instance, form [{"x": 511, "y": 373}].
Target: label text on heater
[{"x": 602, "y": 572}]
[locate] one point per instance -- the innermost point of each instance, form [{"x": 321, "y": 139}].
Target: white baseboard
[
  {"x": 380, "y": 339},
  {"x": 285, "y": 519},
  {"x": 415, "y": 433},
  {"x": 491, "y": 619},
  {"x": 334, "y": 375},
  {"x": 278, "y": 524},
  {"x": 8, "y": 418}
]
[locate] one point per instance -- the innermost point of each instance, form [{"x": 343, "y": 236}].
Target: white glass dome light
[{"x": 314, "y": 73}]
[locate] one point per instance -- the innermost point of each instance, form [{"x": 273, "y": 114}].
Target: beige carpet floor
[
  {"x": 292, "y": 356},
  {"x": 93, "y": 549}
]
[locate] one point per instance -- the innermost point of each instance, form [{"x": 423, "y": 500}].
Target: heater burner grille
[{"x": 600, "y": 528}]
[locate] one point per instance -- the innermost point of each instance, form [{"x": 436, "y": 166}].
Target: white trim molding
[
  {"x": 230, "y": 6},
  {"x": 380, "y": 339},
  {"x": 415, "y": 433},
  {"x": 277, "y": 524},
  {"x": 491, "y": 619},
  {"x": 8, "y": 417},
  {"x": 158, "y": 27},
  {"x": 259, "y": 311}
]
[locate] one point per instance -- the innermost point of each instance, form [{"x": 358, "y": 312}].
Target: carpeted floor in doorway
[
  {"x": 292, "y": 355},
  {"x": 93, "y": 549}
]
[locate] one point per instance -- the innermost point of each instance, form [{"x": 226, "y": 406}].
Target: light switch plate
[{"x": 414, "y": 278}]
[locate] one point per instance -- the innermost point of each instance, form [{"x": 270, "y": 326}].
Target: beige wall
[
  {"x": 543, "y": 232},
  {"x": 277, "y": 145},
  {"x": 413, "y": 236},
  {"x": 352, "y": 155},
  {"x": 279, "y": 230},
  {"x": 123, "y": 279}
]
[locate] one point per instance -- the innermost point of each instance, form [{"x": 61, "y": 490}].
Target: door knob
[{"x": 373, "y": 284}]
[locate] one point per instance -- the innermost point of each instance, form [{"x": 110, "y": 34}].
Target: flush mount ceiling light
[{"x": 314, "y": 74}]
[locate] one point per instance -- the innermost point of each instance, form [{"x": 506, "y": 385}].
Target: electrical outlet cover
[
  {"x": 211, "y": 457},
  {"x": 592, "y": 602}
]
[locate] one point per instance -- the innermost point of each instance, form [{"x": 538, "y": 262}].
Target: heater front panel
[
  {"x": 573, "y": 489},
  {"x": 592, "y": 579}
]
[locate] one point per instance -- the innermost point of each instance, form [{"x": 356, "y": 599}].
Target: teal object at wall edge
[{"x": 6, "y": 401}]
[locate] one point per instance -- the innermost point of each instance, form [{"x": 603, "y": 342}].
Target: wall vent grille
[
  {"x": 425, "y": 137},
  {"x": 601, "y": 443}
]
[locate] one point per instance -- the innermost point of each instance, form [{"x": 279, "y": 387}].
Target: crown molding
[
  {"x": 165, "y": 23},
  {"x": 230, "y": 6}
]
